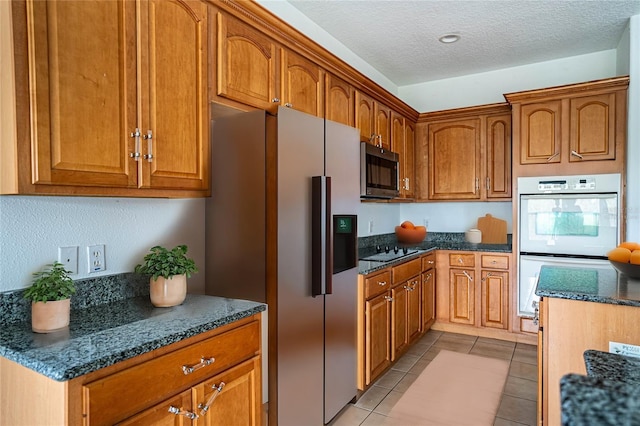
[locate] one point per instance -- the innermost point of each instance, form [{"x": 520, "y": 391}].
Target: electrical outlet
[
  {"x": 425, "y": 222},
  {"x": 68, "y": 256},
  {"x": 371, "y": 226},
  {"x": 95, "y": 258}
]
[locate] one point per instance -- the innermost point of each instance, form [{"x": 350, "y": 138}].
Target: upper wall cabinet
[
  {"x": 302, "y": 84},
  {"x": 373, "y": 119},
  {"x": 111, "y": 98},
  {"x": 403, "y": 138},
  {"x": 247, "y": 67},
  {"x": 339, "y": 100},
  {"x": 465, "y": 154},
  {"x": 574, "y": 129}
]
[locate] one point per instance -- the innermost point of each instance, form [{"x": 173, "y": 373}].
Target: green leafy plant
[
  {"x": 161, "y": 262},
  {"x": 51, "y": 284}
]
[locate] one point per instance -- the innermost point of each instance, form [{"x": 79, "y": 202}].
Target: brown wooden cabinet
[
  {"x": 142, "y": 389},
  {"x": 567, "y": 329},
  {"x": 473, "y": 289},
  {"x": 302, "y": 84},
  {"x": 573, "y": 129},
  {"x": 467, "y": 152},
  {"x": 339, "y": 100},
  {"x": 373, "y": 119},
  {"x": 427, "y": 291},
  {"x": 93, "y": 89},
  {"x": 403, "y": 142}
]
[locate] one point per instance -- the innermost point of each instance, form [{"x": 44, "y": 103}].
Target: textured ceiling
[{"x": 399, "y": 38}]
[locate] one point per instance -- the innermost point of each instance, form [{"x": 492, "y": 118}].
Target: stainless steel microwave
[{"x": 378, "y": 172}]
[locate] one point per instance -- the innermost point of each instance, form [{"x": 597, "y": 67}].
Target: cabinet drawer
[
  {"x": 494, "y": 262},
  {"x": 377, "y": 284},
  {"x": 428, "y": 261},
  {"x": 405, "y": 271},
  {"x": 132, "y": 390},
  {"x": 467, "y": 260}
]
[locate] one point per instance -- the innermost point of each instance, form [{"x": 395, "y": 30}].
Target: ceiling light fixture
[{"x": 449, "y": 38}]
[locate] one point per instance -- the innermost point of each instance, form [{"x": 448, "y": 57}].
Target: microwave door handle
[{"x": 321, "y": 242}]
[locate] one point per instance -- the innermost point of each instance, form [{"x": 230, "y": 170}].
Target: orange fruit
[
  {"x": 408, "y": 225},
  {"x": 420, "y": 228},
  {"x": 635, "y": 257},
  {"x": 630, "y": 245},
  {"x": 619, "y": 254}
]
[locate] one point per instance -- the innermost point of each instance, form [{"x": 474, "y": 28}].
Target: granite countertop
[
  {"x": 368, "y": 267},
  {"x": 608, "y": 395},
  {"x": 588, "y": 284},
  {"x": 103, "y": 335}
]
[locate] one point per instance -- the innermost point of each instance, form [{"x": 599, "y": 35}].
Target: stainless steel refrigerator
[{"x": 281, "y": 228}]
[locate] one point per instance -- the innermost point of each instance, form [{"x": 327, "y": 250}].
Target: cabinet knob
[
  {"x": 388, "y": 298},
  {"x": 275, "y": 100}
]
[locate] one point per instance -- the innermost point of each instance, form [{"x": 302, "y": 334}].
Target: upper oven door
[{"x": 572, "y": 224}]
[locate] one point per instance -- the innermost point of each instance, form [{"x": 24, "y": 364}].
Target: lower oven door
[{"x": 529, "y": 270}]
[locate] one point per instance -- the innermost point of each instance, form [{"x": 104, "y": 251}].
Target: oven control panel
[{"x": 577, "y": 184}]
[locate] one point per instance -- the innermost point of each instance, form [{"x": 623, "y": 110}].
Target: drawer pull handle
[
  {"x": 388, "y": 298},
  {"x": 467, "y": 275},
  {"x": 178, "y": 412},
  {"x": 203, "y": 363},
  {"x": 382, "y": 283},
  {"x": 430, "y": 262},
  {"x": 216, "y": 391},
  {"x": 460, "y": 260}
]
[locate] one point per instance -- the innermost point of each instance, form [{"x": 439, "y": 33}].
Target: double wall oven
[{"x": 565, "y": 221}]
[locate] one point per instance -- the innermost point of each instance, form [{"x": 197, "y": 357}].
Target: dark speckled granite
[
  {"x": 590, "y": 285},
  {"x": 610, "y": 366},
  {"x": 105, "y": 334},
  {"x": 596, "y": 401}
]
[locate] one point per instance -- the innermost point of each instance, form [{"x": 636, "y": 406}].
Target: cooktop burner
[{"x": 387, "y": 256}]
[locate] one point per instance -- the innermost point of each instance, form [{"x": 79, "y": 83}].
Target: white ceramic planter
[
  {"x": 47, "y": 317},
  {"x": 166, "y": 292}
]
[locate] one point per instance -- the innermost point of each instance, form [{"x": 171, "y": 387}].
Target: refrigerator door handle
[{"x": 321, "y": 241}]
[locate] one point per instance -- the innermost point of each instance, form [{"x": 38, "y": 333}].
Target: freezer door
[
  {"x": 300, "y": 317},
  {"x": 342, "y": 145}
]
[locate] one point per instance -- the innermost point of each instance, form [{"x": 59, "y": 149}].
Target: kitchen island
[
  {"x": 580, "y": 309},
  {"x": 127, "y": 360}
]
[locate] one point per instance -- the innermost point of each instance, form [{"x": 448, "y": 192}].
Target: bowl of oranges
[
  {"x": 626, "y": 259},
  {"x": 408, "y": 233}
]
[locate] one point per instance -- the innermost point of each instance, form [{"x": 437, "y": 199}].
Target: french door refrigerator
[{"x": 281, "y": 228}]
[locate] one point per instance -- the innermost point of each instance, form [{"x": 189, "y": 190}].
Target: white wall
[
  {"x": 633, "y": 134},
  {"x": 489, "y": 87},
  {"x": 32, "y": 228}
]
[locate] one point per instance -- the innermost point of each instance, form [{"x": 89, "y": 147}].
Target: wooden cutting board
[{"x": 494, "y": 231}]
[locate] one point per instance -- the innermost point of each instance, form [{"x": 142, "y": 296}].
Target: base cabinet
[
  {"x": 567, "y": 329},
  {"x": 473, "y": 289},
  {"x": 395, "y": 307},
  {"x": 172, "y": 385}
]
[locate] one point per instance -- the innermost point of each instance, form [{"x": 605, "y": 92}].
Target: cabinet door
[
  {"x": 83, "y": 76},
  {"x": 339, "y": 100},
  {"x": 175, "y": 106},
  {"x": 237, "y": 398},
  {"x": 408, "y": 170},
  {"x": 428, "y": 300},
  {"x": 495, "y": 299},
  {"x": 462, "y": 296},
  {"x": 159, "y": 415},
  {"x": 302, "y": 84},
  {"x": 498, "y": 179},
  {"x": 246, "y": 65},
  {"x": 454, "y": 160},
  {"x": 592, "y": 134},
  {"x": 377, "y": 332},
  {"x": 383, "y": 124},
  {"x": 399, "y": 308},
  {"x": 413, "y": 309},
  {"x": 365, "y": 118},
  {"x": 540, "y": 132}
]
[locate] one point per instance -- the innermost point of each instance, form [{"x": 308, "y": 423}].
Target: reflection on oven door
[{"x": 529, "y": 271}]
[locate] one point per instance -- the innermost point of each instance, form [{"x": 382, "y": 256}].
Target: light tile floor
[{"x": 518, "y": 404}]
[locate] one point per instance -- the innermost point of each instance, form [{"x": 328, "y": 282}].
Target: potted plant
[
  {"x": 169, "y": 270},
  {"x": 50, "y": 296}
]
